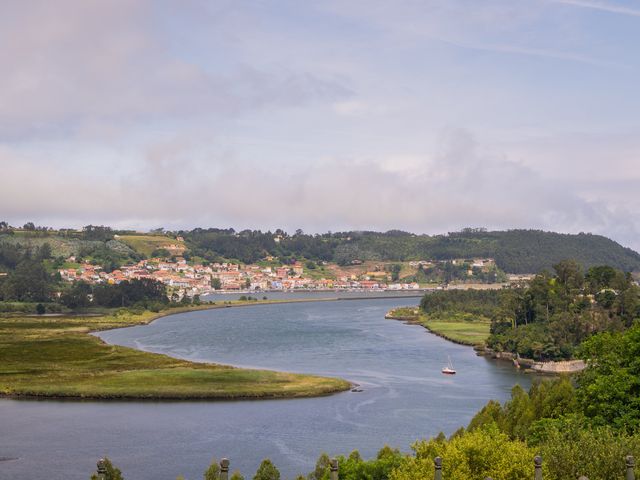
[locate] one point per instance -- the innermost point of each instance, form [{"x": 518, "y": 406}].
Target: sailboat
[{"x": 448, "y": 370}]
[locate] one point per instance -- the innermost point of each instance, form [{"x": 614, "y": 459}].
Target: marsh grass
[{"x": 57, "y": 357}]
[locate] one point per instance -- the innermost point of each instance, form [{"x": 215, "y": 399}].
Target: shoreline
[
  {"x": 228, "y": 304},
  {"x": 143, "y": 375},
  {"x": 527, "y": 365}
]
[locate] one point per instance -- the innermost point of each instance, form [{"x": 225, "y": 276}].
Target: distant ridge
[
  {"x": 530, "y": 251},
  {"x": 515, "y": 251}
]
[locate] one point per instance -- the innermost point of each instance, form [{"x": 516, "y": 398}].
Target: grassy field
[
  {"x": 460, "y": 328},
  {"x": 145, "y": 244},
  {"x": 460, "y": 331},
  {"x": 55, "y": 357}
]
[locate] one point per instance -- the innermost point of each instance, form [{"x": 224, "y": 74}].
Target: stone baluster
[
  {"x": 537, "y": 467},
  {"x": 102, "y": 469},
  {"x": 630, "y": 462},
  {"x": 333, "y": 469},
  {"x": 437, "y": 462},
  {"x": 224, "y": 469}
]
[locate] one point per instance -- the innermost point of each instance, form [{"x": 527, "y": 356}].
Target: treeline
[
  {"x": 142, "y": 293},
  {"x": 26, "y": 278},
  {"x": 30, "y": 278},
  {"x": 551, "y": 317},
  {"x": 88, "y": 232},
  {"x": 94, "y": 244},
  {"x": 440, "y": 303},
  {"x": 515, "y": 251},
  {"x": 556, "y": 312}
]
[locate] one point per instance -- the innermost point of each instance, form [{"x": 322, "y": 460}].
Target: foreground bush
[{"x": 485, "y": 452}]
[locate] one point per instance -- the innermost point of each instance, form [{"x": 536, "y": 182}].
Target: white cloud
[
  {"x": 69, "y": 63},
  {"x": 140, "y": 114},
  {"x": 453, "y": 187},
  {"x": 605, "y": 7}
]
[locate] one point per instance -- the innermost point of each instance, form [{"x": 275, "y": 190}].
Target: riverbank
[
  {"x": 56, "y": 357},
  {"x": 463, "y": 330},
  {"x": 457, "y": 329}
]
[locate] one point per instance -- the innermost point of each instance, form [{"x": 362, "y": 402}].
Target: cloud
[
  {"x": 498, "y": 26},
  {"x": 321, "y": 115},
  {"x": 69, "y": 63},
  {"x": 605, "y": 7},
  {"x": 453, "y": 187},
  {"x": 535, "y": 52}
]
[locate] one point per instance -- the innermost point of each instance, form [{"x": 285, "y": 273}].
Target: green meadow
[{"x": 57, "y": 357}]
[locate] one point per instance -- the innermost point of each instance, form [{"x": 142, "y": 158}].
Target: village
[{"x": 184, "y": 278}]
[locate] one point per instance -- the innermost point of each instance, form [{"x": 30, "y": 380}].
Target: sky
[{"x": 329, "y": 115}]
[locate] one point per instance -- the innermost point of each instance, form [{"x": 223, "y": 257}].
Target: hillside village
[{"x": 185, "y": 278}]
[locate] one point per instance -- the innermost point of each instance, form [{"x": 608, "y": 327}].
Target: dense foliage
[
  {"x": 476, "y": 302},
  {"x": 553, "y": 315},
  {"x": 481, "y": 453},
  {"x": 31, "y": 277},
  {"x": 27, "y": 279},
  {"x": 556, "y": 312},
  {"x": 145, "y": 293},
  {"x": 609, "y": 390},
  {"x": 553, "y": 420},
  {"x": 515, "y": 251}
]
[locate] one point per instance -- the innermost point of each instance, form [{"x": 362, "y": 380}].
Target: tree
[
  {"x": 213, "y": 471},
  {"x": 571, "y": 449},
  {"x": 77, "y": 296},
  {"x": 485, "y": 452},
  {"x": 44, "y": 252},
  {"x": 29, "y": 282},
  {"x": 267, "y": 471},
  {"x": 546, "y": 399},
  {"x": 609, "y": 388},
  {"x": 97, "y": 232},
  {"x": 322, "y": 468},
  {"x": 236, "y": 475},
  {"x": 111, "y": 472},
  {"x": 216, "y": 284},
  {"x": 160, "y": 253},
  {"x": 395, "y": 271}
]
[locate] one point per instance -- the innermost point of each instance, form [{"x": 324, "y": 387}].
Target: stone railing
[{"x": 437, "y": 462}]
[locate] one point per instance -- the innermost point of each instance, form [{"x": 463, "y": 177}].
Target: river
[{"x": 405, "y": 396}]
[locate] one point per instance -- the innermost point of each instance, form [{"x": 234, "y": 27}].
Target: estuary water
[{"x": 405, "y": 396}]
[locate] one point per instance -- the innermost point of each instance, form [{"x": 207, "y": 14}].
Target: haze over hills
[{"x": 515, "y": 251}]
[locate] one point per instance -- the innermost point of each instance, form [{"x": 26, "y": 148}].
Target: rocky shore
[{"x": 550, "y": 368}]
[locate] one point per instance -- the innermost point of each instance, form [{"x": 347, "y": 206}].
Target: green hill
[{"x": 515, "y": 251}]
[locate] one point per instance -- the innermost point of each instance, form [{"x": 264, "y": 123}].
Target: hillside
[{"x": 515, "y": 251}]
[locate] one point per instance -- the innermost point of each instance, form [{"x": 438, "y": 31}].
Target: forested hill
[
  {"x": 515, "y": 251},
  {"x": 530, "y": 251}
]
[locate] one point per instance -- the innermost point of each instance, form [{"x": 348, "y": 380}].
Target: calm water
[
  {"x": 405, "y": 396},
  {"x": 318, "y": 295}
]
